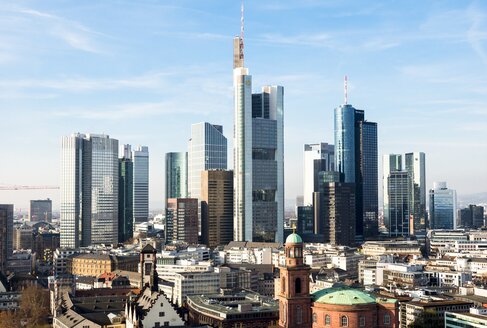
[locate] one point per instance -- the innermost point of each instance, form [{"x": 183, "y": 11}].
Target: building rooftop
[
  {"x": 342, "y": 296},
  {"x": 294, "y": 238},
  {"x": 434, "y": 303}
]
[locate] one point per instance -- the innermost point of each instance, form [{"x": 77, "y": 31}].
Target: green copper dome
[
  {"x": 342, "y": 296},
  {"x": 293, "y": 238}
]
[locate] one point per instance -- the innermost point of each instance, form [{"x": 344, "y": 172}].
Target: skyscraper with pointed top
[
  {"x": 258, "y": 155},
  {"x": 356, "y": 156}
]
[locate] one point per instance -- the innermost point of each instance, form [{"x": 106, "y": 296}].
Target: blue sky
[{"x": 143, "y": 71}]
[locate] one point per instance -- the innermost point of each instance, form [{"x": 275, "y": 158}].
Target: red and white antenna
[{"x": 345, "y": 87}]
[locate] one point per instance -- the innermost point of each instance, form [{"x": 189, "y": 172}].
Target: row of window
[{"x": 344, "y": 320}]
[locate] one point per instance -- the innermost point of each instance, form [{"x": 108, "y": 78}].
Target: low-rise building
[
  {"x": 477, "y": 317},
  {"x": 194, "y": 283},
  {"x": 428, "y": 310},
  {"x": 91, "y": 264},
  {"x": 391, "y": 247}
]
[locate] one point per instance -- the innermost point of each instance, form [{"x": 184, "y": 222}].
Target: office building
[
  {"x": 6, "y": 234},
  {"x": 140, "y": 158},
  {"x": 89, "y": 190},
  {"x": 317, "y": 157},
  {"x": 183, "y": 212},
  {"x": 356, "y": 158},
  {"x": 472, "y": 216},
  {"x": 416, "y": 167},
  {"x": 176, "y": 175},
  {"x": 390, "y": 163},
  {"x": 399, "y": 221},
  {"x": 125, "y": 195},
  {"x": 216, "y": 207},
  {"x": 477, "y": 317},
  {"x": 334, "y": 209},
  {"x": 442, "y": 207},
  {"x": 23, "y": 237},
  {"x": 207, "y": 151},
  {"x": 40, "y": 210},
  {"x": 258, "y": 157}
]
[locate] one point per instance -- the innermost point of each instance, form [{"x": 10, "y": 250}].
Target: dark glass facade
[{"x": 125, "y": 200}]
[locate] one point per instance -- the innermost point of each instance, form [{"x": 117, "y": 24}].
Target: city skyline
[{"x": 417, "y": 104}]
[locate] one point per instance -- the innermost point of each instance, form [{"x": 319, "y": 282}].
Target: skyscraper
[
  {"x": 176, "y": 175},
  {"x": 184, "y": 215},
  {"x": 398, "y": 213},
  {"x": 416, "y": 167},
  {"x": 89, "y": 190},
  {"x": 216, "y": 207},
  {"x": 258, "y": 157},
  {"x": 472, "y": 216},
  {"x": 140, "y": 157},
  {"x": 207, "y": 151},
  {"x": 442, "y": 207},
  {"x": 40, "y": 210},
  {"x": 317, "y": 157},
  {"x": 6, "y": 234},
  {"x": 125, "y": 194},
  {"x": 357, "y": 159},
  {"x": 390, "y": 163}
]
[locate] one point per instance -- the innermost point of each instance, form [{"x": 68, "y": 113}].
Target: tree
[
  {"x": 34, "y": 306},
  {"x": 9, "y": 319},
  {"x": 427, "y": 319}
]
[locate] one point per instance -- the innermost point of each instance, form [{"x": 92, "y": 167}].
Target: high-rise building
[
  {"x": 258, "y": 157},
  {"x": 416, "y": 167},
  {"x": 334, "y": 209},
  {"x": 89, "y": 190},
  {"x": 472, "y": 216},
  {"x": 357, "y": 159},
  {"x": 390, "y": 163},
  {"x": 40, "y": 210},
  {"x": 140, "y": 157},
  {"x": 23, "y": 237},
  {"x": 317, "y": 157},
  {"x": 184, "y": 215},
  {"x": 6, "y": 234},
  {"x": 207, "y": 151},
  {"x": 442, "y": 207},
  {"x": 398, "y": 218},
  {"x": 125, "y": 194},
  {"x": 216, "y": 207},
  {"x": 176, "y": 175}
]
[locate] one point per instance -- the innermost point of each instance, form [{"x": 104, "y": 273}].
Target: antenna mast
[
  {"x": 242, "y": 33},
  {"x": 345, "y": 87}
]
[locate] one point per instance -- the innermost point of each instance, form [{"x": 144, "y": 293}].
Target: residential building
[
  {"x": 317, "y": 157},
  {"x": 89, "y": 190},
  {"x": 183, "y": 214},
  {"x": 442, "y": 207},
  {"x": 93, "y": 265},
  {"x": 6, "y": 234},
  {"x": 258, "y": 157},
  {"x": 140, "y": 194},
  {"x": 40, "y": 210},
  {"x": 125, "y": 194},
  {"x": 216, "y": 207},
  {"x": 357, "y": 159},
  {"x": 176, "y": 175}
]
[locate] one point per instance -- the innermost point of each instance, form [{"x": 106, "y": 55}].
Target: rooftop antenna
[
  {"x": 242, "y": 32},
  {"x": 345, "y": 87}
]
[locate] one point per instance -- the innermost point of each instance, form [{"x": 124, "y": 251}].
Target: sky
[{"x": 143, "y": 71}]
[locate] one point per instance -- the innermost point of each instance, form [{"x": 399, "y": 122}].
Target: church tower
[
  {"x": 147, "y": 264},
  {"x": 294, "y": 297}
]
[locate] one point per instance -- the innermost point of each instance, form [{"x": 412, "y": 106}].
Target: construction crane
[{"x": 19, "y": 187}]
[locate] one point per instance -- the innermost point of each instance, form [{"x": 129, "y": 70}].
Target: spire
[
  {"x": 345, "y": 87},
  {"x": 238, "y": 43}
]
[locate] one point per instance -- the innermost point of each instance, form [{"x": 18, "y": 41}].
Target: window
[
  {"x": 387, "y": 319},
  {"x": 315, "y": 317},
  {"x": 327, "y": 320},
  {"x": 161, "y": 314},
  {"x": 344, "y": 321},
  {"x": 299, "y": 314},
  {"x": 297, "y": 286},
  {"x": 362, "y": 321},
  {"x": 283, "y": 285},
  {"x": 166, "y": 323}
]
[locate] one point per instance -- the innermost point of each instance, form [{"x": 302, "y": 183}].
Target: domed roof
[
  {"x": 342, "y": 296},
  {"x": 294, "y": 238}
]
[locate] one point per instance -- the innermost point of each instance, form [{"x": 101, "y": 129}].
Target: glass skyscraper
[
  {"x": 125, "y": 195},
  {"x": 442, "y": 207},
  {"x": 398, "y": 216},
  {"x": 416, "y": 167},
  {"x": 140, "y": 157},
  {"x": 176, "y": 175},
  {"x": 258, "y": 157},
  {"x": 207, "y": 151},
  {"x": 356, "y": 157},
  {"x": 89, "y": 190},
  {"x": 317, "y": 157}
]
